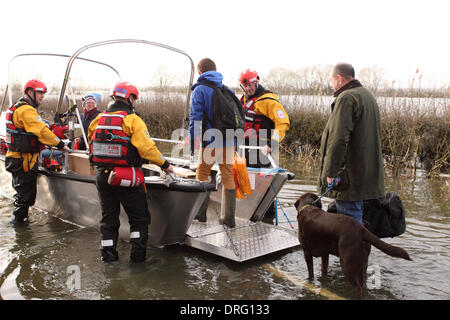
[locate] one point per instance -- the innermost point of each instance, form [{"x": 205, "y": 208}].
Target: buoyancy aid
[
  {"x": 253, "y": 120},
  {"x": 17, "y": 139},
  {"x": 110, "y": 146}
]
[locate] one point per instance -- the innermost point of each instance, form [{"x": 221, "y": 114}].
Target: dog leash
[
  {"x": 330, "y": 186},
  {"x": 282, "y": 210},
  {"x": 276, "y": 170}
]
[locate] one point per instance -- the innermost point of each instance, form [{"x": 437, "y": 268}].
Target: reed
[{"x": 415, "y": 132}]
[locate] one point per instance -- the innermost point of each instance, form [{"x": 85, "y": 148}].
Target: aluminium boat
[{"x": 69, "y": 193}]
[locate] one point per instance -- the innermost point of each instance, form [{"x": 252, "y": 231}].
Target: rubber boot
[
  {"x": 228, "y": 208},
  {"x": 138, "y": 240},
  {"x": 201, "y": 215},
  {"x": 109, "y": 254},
  {"x": 108, "y": 251},
  {"x": 20, "y": 215}
]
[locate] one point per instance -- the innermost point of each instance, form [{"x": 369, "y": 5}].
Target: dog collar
[
  {"x": 300, "y": 218},
  {"x": 303, "y": 208}
]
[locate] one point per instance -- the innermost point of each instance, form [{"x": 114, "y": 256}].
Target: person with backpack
[
  {"x": 118, "y": 143},
  {"x": 266, "y": 121},
  {"x": 26, "y": 134},
  {"x": 210, "y": 117}
]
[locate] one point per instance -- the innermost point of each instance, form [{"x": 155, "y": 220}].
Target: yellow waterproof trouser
[{"x": 224, "y": 157}]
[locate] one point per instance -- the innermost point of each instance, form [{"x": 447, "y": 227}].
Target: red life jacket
[
  {"x": 110, "y": 146},
  {"x": 255, "y": 121},
  {"x": 17, "y": 139}
]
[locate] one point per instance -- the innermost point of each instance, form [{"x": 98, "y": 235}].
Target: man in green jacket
[{"x": 351, "y": 145}]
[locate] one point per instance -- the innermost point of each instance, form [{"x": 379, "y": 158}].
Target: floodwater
[{"x": 52, "y": 259}]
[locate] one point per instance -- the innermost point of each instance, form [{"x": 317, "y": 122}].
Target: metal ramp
[{"x": 246, "y": 241}]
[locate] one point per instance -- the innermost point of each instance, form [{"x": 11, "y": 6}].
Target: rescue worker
[
  {"x": 266, "y": 121},
  {"x": 26, "y": 134},
  {"x": 119, "y": 138}
]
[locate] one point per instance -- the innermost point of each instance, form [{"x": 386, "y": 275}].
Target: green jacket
[{"x": 351, "y": 146}]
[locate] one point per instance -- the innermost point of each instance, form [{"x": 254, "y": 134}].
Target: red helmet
[
  {"x": 124, "y": 90},
  {"x": 248, "y": 76},
  {"x": 36, "y": 85}
]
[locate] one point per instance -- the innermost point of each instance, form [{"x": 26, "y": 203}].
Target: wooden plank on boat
[{"x": 79, "y": 163}]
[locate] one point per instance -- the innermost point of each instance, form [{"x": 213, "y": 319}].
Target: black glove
[
  {"x": 57, "y": 118},
  {"x": 73, "y": 108}
]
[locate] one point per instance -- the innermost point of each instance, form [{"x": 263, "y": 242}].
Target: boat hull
[
  {"x": 173, "y": 206},
  {"x": 74, "y": 198}
]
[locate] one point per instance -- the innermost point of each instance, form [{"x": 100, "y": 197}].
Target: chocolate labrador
[{"x": 321, "y": 233}]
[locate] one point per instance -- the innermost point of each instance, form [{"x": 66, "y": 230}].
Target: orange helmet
[
  {"x": 124, "y": 90},
  {"x": 248, "y": 76},
  {"x": 36, "y": 85}
]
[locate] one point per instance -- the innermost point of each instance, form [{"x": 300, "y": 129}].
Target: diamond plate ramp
[{"x": 248, "y": 240}]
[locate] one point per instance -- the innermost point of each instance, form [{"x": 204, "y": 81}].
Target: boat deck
[{"x": 248, "y": 240}]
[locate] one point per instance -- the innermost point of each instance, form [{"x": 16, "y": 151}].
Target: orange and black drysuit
[
  {"x": 263, "y": 110},
  {"x": 119, "y": 137},
  {"x": 26, "y": 134}
]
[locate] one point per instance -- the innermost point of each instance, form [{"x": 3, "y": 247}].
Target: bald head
[
  {"x": 345, "y": 70},
  {"x": 342, "y": 74}
]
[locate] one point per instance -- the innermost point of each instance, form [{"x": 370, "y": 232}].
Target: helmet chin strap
[
  {"x": 32, "y": 100},
  {"x": 256, "y": 88}
]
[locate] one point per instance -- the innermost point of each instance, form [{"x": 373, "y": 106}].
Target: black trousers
[
  {"x": 25, "y": 185},
  {"x": 134, "y": 202}
]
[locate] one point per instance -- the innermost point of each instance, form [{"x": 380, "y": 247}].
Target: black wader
[
  {"x": 25, "y": 185},
  {"x": 134, "y": 202}
]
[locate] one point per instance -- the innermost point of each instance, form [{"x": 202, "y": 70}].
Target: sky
[{"x": 395, "y": 35}]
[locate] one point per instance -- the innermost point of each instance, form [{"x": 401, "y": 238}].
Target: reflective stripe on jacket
[
  {"x": 134, "y": 128},
  {"x": 110, "y": 145},
  {"x": 17, "y": 139},
  {"x": 27, "y": 118}
]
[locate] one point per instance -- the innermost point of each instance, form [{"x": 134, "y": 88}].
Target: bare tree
[
  {"x": 309, "y": 80},
  {"x": 373, "y": 78},
  {"x": 279, "y": 79},
  {"x": 162, "y": 78}
]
